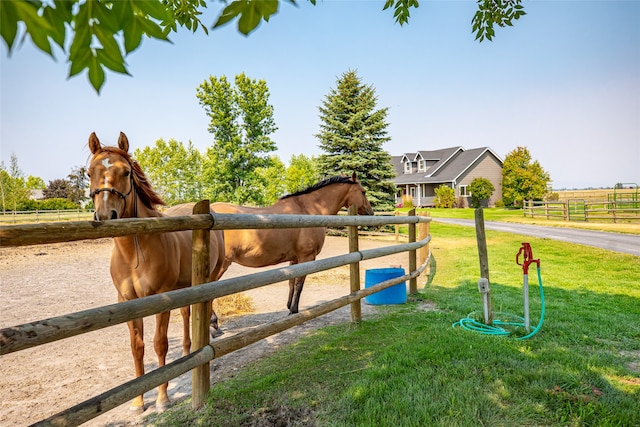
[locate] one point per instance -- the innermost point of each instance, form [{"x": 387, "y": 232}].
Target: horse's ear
[
  {"x": 94, "y": 143},
  {"x": 123, "y": 142},
  {"x": 353, "y": 176}
]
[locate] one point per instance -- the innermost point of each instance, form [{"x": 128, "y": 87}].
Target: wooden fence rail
[
  {"x": 36, "y": 333},
  {"x": 583, "y": 210},
  {"x": 32, "y": 334},
  {"x": 56, "y": 232}
]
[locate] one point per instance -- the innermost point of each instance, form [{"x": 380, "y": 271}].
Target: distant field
[
  {"x": 20, "y": 217},
  {"x": 596, "y": 195}
]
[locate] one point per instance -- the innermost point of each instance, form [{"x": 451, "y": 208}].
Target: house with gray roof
[{"x": 419, "y": 174}]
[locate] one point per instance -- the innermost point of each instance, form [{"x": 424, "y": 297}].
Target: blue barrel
[{"x": 396, "y": 294}]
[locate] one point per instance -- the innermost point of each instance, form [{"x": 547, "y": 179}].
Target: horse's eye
[{"x": 127, "y": 173}]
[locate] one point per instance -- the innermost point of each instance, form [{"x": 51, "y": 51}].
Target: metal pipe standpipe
[{"x": 527, "y": 259}]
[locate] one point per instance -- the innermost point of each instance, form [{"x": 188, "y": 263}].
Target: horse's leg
[
  {"x": 136, "y": 334},
  {"x": 216, "y": 274},
  {"x": 161, "y": 345},
  {"x": 186, "y": 335},
  {"x": 295, "y": 289},
  {"x": 214, "y": 328}
]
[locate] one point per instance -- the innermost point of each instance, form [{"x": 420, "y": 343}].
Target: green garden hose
[{"x": 470, "y": 324}]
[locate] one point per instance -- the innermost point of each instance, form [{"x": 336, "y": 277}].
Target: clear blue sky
[{"x": 563, "y": 82}]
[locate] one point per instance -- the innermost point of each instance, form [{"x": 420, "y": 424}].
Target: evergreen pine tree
[{"x": 352, "y": 132}]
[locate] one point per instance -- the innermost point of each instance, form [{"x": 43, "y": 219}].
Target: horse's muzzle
[{"x": 111, "y": 214}]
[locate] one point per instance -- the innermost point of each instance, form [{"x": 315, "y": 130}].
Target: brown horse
[
  {"x": 260, "y": 248},
  {"x": 146, "y": 264}
]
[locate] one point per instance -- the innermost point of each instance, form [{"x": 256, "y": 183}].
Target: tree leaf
[
  {"x": 80, "y": 62},
  {"x": 230, "y": 12},
  {"x": 154, "y": 8},
  {"x": 96, "y": 73},
  {"x": 8, "y": 23},
  {"x": 106, "y": 18},
  {"x": 82, "y": 33},
  {"x": 150, "y": 28},
  {"x": 123, "y": 12},
  {"x": 113, "y": 63},
  {"x": 56, "y": 18},
  {"x": 37, "y": 26},
  {"x": 107, "y": 40},
  {"x": 249, "y": 19},
  {"x": 132, "y": 36}
]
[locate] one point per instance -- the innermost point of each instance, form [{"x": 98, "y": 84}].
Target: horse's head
[
  {"x": 357, "y": 196},
  {"x": 111, "y": 178}
]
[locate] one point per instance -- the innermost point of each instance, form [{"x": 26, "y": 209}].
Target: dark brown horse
[
  {"x": 260, "y": 248},
  {"x": 146, "y": 264}
]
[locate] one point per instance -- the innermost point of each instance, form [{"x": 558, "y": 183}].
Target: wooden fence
[
  {"x": 36, "y": 333},
  {"x": 584, "y": 210},
  {"x": 38, "y": 215}
]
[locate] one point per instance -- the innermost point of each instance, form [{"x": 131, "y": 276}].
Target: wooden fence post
[
  {"x": 423, "y": 232},
  {"x": 546, "y": 209},
  {"x": 201, "y": 312},
  {"x": 397, "y": 226},
  {"x": 565, "y": 210},
  {"x": 354, "y": 269},
  {"x": 484, "y": 263},
  {"x": 586, "y": 212},
  {"x": 413, "y": 283}
]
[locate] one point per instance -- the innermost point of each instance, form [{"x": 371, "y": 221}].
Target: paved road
[{"x": 625, "y": 243}]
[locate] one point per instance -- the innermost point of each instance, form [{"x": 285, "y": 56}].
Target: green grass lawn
[
  {"x": 410, "y": 367},
  {"x": 516, "y": 215}
]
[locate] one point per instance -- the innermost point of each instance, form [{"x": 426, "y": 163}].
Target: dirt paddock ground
[{"x": 40, "y": 282}]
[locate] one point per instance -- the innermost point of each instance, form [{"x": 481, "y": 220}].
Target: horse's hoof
[
  {"x": 215, "y": 332},
  {"x": 163, "y": 406},
  {"x": 136, "y": 409}
]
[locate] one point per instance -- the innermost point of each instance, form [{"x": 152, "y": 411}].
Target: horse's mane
[
  {"x": 144, "y": 190},
  {"x": 333, "y": 180}
]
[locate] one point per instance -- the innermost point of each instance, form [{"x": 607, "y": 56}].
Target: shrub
[
  {"x": 56, "y": 203},
  {"x": 481, "y": 189},
  {"x": 445, "y": 197},
  {"x": 407, "y": 202}
]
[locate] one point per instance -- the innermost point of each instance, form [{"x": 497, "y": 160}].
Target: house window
[
  {"x": 463, "y": 191},
  {"x": 407, "y": 167},
  {"x": 422, "y": 165}
]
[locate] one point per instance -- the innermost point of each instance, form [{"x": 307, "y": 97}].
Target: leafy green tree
[
  {"x": 274, "y": 178},
  {"x": 352, "y": 132},
  {"x": 35, "y": 183},
  {"x": 445, "y": 196},
  {"x": 301, "y": 173},
  {"x": 58, "y": 189},
  {"x": 97, "y": 35},
  {"x": 13, "y": 190},
  {"x": 481, "y": 189},
  {"x": 522, "y": 178},
  {"x": 241, "y": 122},
  {"x": 78, "y": 182},
  {"x": 175, "y": 171}
]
